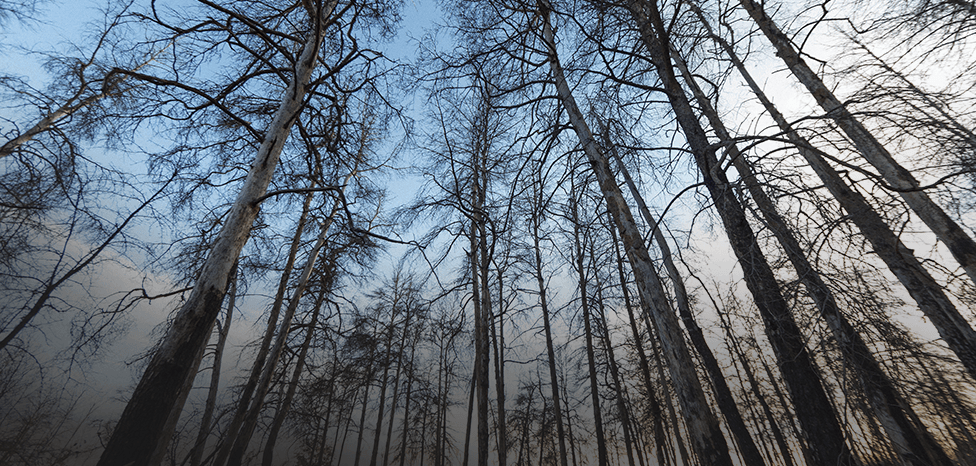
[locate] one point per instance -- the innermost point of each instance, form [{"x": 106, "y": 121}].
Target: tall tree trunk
[
  {"x": 282, "y": 413},
  {"x": 723, "y": 394},
  {"x": 259, "y": 361},
  {"x": 910, "y": 443},
  {"x": 657, "y": 416},
  {"x": 618, "y": 388},
  {"x": 703, "y": 427},
  {"x": 384, "y": 382},
  {"x": 396, "y": 392},
  {"x": 498, "y": 337},
  {"x": 547, "y": 327},
  {"x": 737, "y": 353},
  {"x": 673, "y": 418},
  {"x": 927, "y": 293},
  {"x": 406, "y": 408},
  {"x": 250, "y": 422},
  {"x": 601, "y": 441},
  {"x": 149, "y": 419},
  {"x": 206, "y": 420},
  {"x": 467, "y": 431},
  {"x": 962, "y": 247},
  {"x": 362, "y": 417},
  {"x": 480, "y": 322},
  {"x": 814, "y": 411},
  {"x": 337, "y": 452}
]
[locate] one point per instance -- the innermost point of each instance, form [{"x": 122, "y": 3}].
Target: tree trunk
[
  {"x": 396, "y": 391},
  {"x": 264, "y": 383},
  {"x": 206, "y": 419},
  {"x": 888, "y": 405},
  {"x": 467, "y": 431},
  {"x": 814, "y": 410},
  {"x": 406, "y": 409},
  {"x": 927, "y": 293},
  {"x": 384, "y": 382},
  {"x": 601, "y": 441},
  {"x": 282, "y": 413},
  {"x": 618, "y": 387},
  {"x": 962, "y": 247},
  {"x": 362, "y": 416},
  {"x": 149, "y": 419},
  {"x": 544, "y": 309},
  {"x": 723, "y": 394},
  {"x": 703, "y": 427},
  {"x": 657, "y": 416},
  {"x": 259, "y": 361}
]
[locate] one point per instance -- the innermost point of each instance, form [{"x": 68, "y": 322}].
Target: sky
[{"x": 110, "y": 380}]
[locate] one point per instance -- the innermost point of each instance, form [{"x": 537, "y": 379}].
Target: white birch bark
[{"x": 149, "y": 419}]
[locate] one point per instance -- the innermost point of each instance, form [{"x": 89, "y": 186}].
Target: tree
[
  {"x": 708, "y": 442},
  {"x": 150, "y": 416}
]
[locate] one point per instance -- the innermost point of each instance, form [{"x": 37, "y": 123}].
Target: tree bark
[
  {"x": 709, "y": 444},
  {"x": 962, "y": 247},
  {"x": 259, "y": 361},
  {"x": 264, "y": 383},
  {"x": 196, "y": 455},
  {"x": 279, "y": 419},
  {"x": 618, "y": 386},
  {"x": 149, "y": 419},
  {"x": 910, "y": 442},
  {"x": 814, "y": 411},
  {"x": 657, "y": 416},
  {"x": 601, "y": 441},
  {"x": 723, "y": 394}
]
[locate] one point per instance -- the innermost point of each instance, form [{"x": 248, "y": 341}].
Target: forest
[{"x": 467, "y": 233}]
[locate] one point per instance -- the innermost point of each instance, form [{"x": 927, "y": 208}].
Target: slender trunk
[
  {"x": 962, "y": 247},
  {"x": 384, "y": 382},
  {"x": 927, "y": 293},
  {"x": 601, "y": 441},
  {"x": 282, "y": 413},
  {"x": 704, "y": 428},
  {"x": 441, "y": 406},
  {"x": 406, "y": 409},
  {"x": 264, "y": 383},
  {"x": 723, "y": 394},
  {"x": 259, "y": 361},
  {"x": 205, "y": 422},
  {"x": 570, "y": 438},
  {"x": 396, "y": 391},
  {"x": 380, "y": 410},
  {"x": 910, "y": 443},
  {"x": 679, "y": 439},
  {"x": 813, "y": 408},
  {"x": 739, "y": 354},
  {"x": 149, "y": 419},
  {"x": 319, "y": 448},
  {"x": 784, "y": 403},
  {"x": 467, "y": 431},
  {"x": 337, "y": 452},
  {"x": 362, "y": 417},
  {"x": 498, "y": 337},
  {"x": 544, "y": 308},
  {"x": 657, "y": 416},
  {"x": 480, "y": 323},
  {"x": 622, "y": 411}
]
